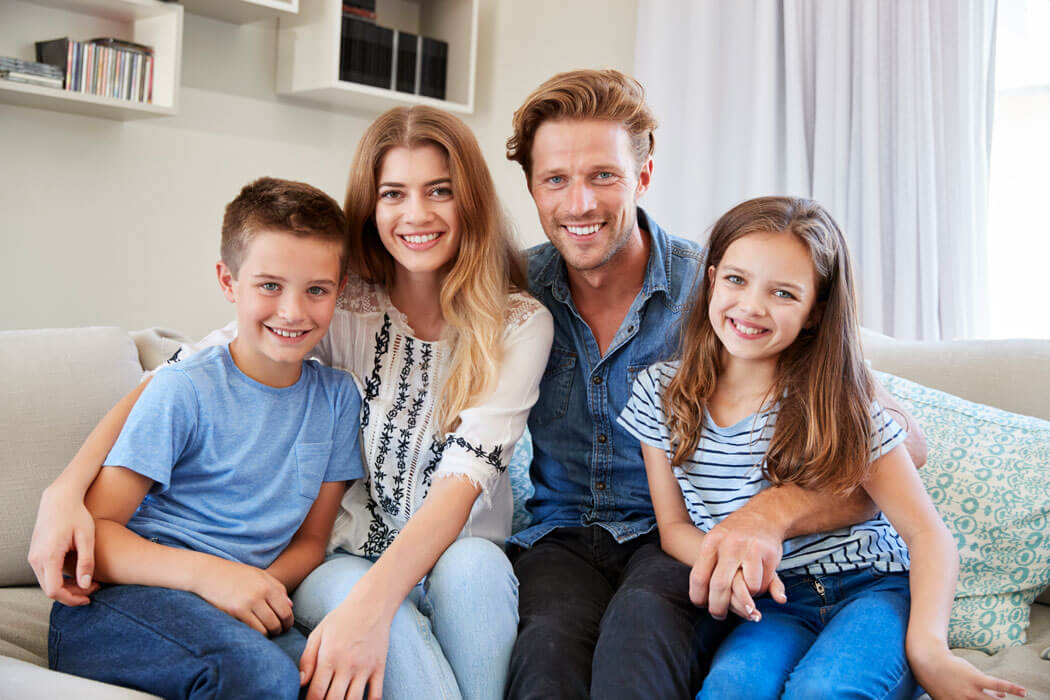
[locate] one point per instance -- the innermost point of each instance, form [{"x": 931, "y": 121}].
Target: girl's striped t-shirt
[{"x": 726, "y": 470}]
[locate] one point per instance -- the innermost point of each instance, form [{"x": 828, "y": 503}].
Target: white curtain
[{"x": 879, "y": 109}]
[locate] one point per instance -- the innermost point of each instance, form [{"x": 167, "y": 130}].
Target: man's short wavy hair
[{"x": 584, "y": 94}]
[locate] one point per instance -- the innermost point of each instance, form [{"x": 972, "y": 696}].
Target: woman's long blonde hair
[
  {"x": 487, "y": 268},
  {"x": 823, "y": 426}
]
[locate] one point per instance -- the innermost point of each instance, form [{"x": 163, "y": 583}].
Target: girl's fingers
[
  {"x": 998, "y": 685},
  {"x": 320, "y": 684},
  {"x": 375, "y": 686},
  {"x": 265, "y": 614},
  {"x": 356, "y": 690},
  {"x": 85, "y": 544},
  {"x": 742, "y": 602},
  {"x": 777, "y": 590},
  {"x": 308, "y": 661}
]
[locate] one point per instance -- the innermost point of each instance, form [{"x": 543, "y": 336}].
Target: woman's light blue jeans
[
  {"x": 837, "y": 636},
  {"x": 453, "y": 634}
]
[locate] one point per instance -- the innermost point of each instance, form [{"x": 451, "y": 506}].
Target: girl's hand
[
  {"x": 346, "y": 653},
  {"x": 946, "y": 676},
  {"x": 251, "y": 595},
  {"x": 743, "y": 604},
  {"x": 63, "y": 527}
]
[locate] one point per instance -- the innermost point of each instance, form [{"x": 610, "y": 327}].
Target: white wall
[{"x": 110, "y": 223}]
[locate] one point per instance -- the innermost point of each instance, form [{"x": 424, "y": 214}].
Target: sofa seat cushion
[
  {"x": 988, "y": 474},
  {"x": 24, "y": 623}
]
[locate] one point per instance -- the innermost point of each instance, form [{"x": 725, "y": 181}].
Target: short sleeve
[
  {"x": 481, "y": 446},
  {"x": 643, "y": 415},
  {"x": 219, "y": 336},
  {"x": 886, "y": 433},
  {"x": 159, "y": 430},
  {"x": 345, "y": 463}
]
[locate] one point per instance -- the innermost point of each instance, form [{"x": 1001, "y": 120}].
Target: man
[{"x": 604, "y": 612}]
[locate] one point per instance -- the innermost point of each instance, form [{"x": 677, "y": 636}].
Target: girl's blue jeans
[
  {"x": 453, "y": 634},
  {"x": 837, "y": 636}
]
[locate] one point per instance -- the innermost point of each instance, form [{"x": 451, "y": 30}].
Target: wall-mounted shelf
[
  {"x": 242, "y": 11},
  {"x": 149, "y": 22},
  {"x": 308, "y": 48}
]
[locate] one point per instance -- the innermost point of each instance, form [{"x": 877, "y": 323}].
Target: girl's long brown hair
[
  {"x": 823, "y": 427},
  {"x": 488, "y": 267}
]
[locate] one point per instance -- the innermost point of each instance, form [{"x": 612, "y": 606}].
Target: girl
[
  {"x": 448, "y": 353},
  {"x": 771, "y": 389}
]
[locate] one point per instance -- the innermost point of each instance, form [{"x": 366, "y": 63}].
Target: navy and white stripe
[{"x": 726, "y": 471}]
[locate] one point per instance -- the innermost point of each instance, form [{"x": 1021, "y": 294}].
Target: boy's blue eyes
[{"x": 274, "y": 287}]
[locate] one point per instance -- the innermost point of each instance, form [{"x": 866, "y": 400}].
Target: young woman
[
  {"x": 770, "y": 388},
  {"x": 448, "y": 353}
]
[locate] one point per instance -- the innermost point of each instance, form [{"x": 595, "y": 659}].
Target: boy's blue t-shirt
[{"x": 237, "y": 464}]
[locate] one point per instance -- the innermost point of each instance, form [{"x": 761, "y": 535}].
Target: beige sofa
[{"x": 58, "y": 383}]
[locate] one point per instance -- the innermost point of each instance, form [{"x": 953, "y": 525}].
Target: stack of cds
[
  {"x": 30, "y": 72},
  {"x": 107, "y": 67}
]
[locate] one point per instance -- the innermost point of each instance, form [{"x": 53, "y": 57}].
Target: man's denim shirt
[{"x": 588, "y": 470}]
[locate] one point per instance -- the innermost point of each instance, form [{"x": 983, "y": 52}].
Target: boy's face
[{"x": 285, "y": 294}]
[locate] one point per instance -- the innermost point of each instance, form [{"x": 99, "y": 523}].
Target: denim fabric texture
[
  {"x": 587, "y": 469},
  {"x": 173, "y": 644},
  {"x": 625, "y": 605},
  {"x": 453, "y": 634},
  {"x": 837, "y": 636}
]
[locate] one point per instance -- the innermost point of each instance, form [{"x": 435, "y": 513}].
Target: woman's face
[{"x": 416, "y": 211}]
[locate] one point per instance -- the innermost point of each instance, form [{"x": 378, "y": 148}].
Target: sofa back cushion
[{"x": 57, "y": 384}]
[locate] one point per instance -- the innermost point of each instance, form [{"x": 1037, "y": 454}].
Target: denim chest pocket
[
  {"x": 555, "y": 387},
  {"x": 311, "y": 459}
]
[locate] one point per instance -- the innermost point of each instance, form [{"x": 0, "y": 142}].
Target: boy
[{"x": 242, "y": 454}]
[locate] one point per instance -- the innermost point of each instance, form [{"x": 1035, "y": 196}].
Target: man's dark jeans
[{"x": 607, "y": 620}]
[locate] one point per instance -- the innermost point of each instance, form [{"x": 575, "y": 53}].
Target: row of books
[
  {"x": 106, "y": 67},
  {"x": 392, "y": 59},
  {"x": 17, "y": 70}
]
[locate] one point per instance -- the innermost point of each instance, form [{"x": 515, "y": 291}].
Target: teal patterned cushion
[
  {"x": 988, "y": 473},
  {"x": 520, "y": 483}
]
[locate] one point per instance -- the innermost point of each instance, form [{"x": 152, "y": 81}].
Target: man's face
[{"x": 586, "y": 184}]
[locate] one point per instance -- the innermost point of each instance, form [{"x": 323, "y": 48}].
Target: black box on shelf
[{"x": 391, "y": 59}]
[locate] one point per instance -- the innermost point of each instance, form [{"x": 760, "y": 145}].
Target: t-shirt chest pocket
[{"x": 311, "y": 460}]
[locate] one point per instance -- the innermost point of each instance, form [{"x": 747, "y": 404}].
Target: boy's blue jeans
[
  {"x": 837, "y": 636},
  {"x": 173, "y": 644}
]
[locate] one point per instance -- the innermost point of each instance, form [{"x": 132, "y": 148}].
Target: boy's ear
[
  {"x": 226, "y": 280},
  {"x": 342, "y": 285}
]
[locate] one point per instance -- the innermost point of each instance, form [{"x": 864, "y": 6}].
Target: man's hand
[
  {"x": 746, "y": 541},
  {"x": 249, "y": 594},
  {"x": 63, "y": 527},
  {"x": 346, "y": 653}
]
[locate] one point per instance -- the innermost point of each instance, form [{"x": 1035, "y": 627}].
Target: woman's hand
[
  {"x": 346, "y": 653},
  {"x": 64, "y": 529},
  {"x": 249, "y": 594},
  {"x": 947, "y": 677}
]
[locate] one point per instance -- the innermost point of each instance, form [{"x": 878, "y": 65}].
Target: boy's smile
[{"x": 285, "y": 292}]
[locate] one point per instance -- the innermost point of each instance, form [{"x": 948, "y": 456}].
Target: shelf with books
[
  {"x": 311, "y": 53},
  {"x": 149, "y": 22},
  {"x": 242, "y": 11}
]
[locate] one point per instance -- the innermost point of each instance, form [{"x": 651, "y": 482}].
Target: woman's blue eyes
[
  {"x": 438, "y": 192},
  {"x": 734, "y": 279}
]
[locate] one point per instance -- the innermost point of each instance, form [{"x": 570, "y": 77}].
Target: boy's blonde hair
[
  {"x": 270, "y": 204},
  {"x": 585, "y": 94}
]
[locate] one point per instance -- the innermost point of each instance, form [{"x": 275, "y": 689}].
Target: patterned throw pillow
[
  {"x": 520, "y": 483},
  {"x": 988, "y": 473}
]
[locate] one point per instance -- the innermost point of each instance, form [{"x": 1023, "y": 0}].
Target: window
[{"x": 1019, "y": 176}]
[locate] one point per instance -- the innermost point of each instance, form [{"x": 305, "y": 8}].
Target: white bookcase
[
  {"x": 149, "y": 22},
  {"x": 308, "y": 47},
  {"x": 242, "y": 11}
]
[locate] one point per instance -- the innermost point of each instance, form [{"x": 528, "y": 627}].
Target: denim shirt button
[
  {"x": 600, "y": 486},
  {"x": 602, "y": 438},
  {"x": 597, "y": 380}
]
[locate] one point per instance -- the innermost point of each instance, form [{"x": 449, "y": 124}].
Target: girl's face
[
  {"x": 763, "y": 294},
  {"x": 416, "y": 211}
]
